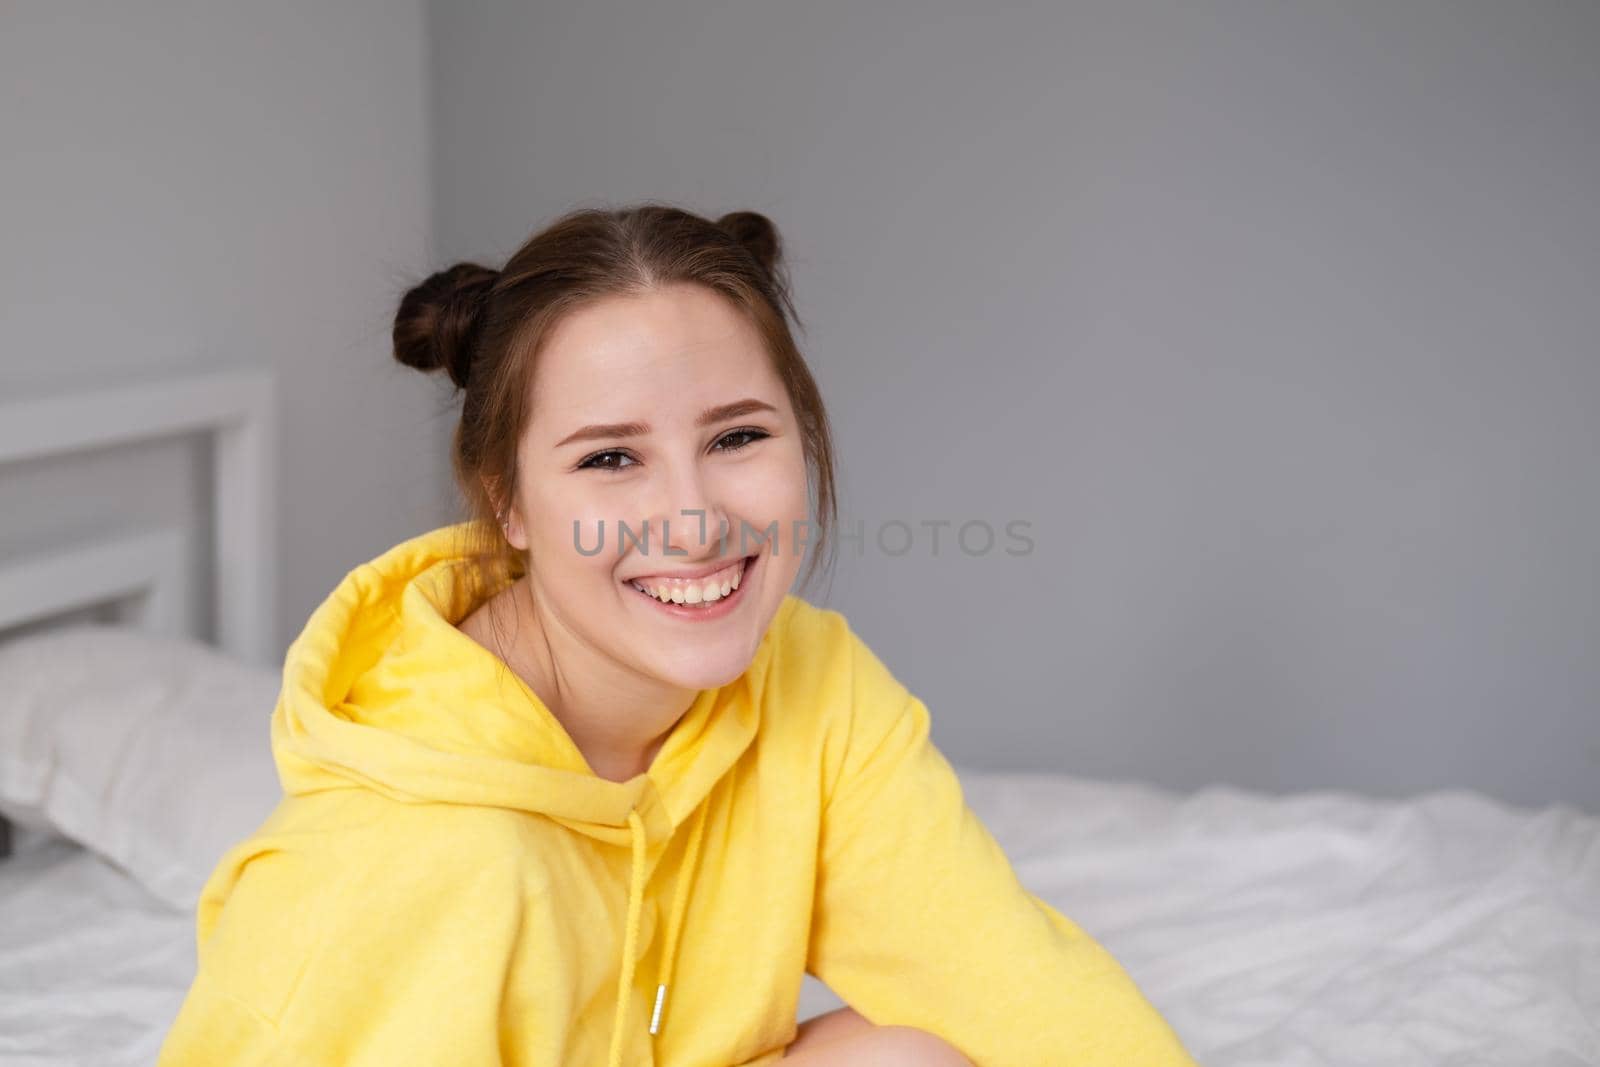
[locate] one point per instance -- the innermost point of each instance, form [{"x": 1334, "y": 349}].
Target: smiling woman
[{"x": 548, "y": 803}]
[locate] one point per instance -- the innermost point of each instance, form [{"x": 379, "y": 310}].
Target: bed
[{"x": 1304, "y": 929}]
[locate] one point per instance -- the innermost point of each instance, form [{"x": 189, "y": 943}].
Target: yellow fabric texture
[{"x": 447, "y": 881}]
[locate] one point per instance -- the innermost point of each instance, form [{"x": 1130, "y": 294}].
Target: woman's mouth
[{"x": 699, "y": 599}]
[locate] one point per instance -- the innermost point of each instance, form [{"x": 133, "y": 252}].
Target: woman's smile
[{"x": 709, "y": 596}]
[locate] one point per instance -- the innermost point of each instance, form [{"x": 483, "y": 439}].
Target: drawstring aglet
[{"x": 655, "y": 1016}]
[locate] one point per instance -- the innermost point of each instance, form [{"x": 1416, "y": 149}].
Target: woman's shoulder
[
  {"x": 820, "y": 659},
  {"x": 807, "y": 640},
  {"x": 815, "y": 635}
]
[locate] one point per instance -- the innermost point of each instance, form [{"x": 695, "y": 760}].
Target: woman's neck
[{"x": 617, "y": 720}]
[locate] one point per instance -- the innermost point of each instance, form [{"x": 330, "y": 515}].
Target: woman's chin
[{"x": 702, "y": 667}]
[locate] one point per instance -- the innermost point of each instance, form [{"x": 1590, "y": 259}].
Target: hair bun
[
  {"x": 437, "y": 318},
  {"x": 757, "y": 233}
]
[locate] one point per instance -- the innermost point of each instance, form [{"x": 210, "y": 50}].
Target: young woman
[{"x": 578, "y": 780}]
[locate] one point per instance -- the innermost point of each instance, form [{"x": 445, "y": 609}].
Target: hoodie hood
[{"x": 382, "y": 692}]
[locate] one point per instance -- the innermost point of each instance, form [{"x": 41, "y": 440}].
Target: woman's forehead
[
  {"x": 622, "y": 358},
  {"x": 618, "y": 331}
]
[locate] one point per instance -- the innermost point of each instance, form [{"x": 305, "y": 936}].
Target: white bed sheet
[
  {"x": 1313, "y": 929},
  {"x": 1326, "y": 928},
  {"x": 93, "y": 967}
]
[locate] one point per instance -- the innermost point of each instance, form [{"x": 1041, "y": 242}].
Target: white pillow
[{"x": 154, "y": 752}]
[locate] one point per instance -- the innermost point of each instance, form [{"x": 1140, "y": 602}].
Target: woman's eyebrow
[{"x": 718, "y": 413}]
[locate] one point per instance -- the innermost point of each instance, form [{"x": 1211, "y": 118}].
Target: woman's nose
[{"x": 687, "y": 521}]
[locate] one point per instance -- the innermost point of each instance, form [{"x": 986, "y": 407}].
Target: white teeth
[{"x": 703, "y": 592}]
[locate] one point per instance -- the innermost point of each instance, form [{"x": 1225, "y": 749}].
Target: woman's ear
[
  {"x": 514, "y": 533},
  {"x": 506, "y": 515}
]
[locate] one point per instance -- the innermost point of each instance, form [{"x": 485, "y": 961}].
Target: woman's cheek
[
  {"x": 584, "y": 530},
  {"x": 773, "y": 491}
]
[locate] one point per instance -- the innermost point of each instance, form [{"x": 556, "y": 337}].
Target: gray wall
[
  {"x": 1276, "y": 322},
  {"x": 187, "y": 185}
]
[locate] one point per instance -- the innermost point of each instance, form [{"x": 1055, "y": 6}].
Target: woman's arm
[
  {"x": 829, "y": 1026},
  {"x": 920, "y": 920},
  {"x": 843, "y": 1038}
]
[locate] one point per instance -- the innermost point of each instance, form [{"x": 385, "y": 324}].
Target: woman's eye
[
  {"x": 611, "y": 459},
  {"x": 734, "y": 435},
  {"x": 594, "y": 461}
]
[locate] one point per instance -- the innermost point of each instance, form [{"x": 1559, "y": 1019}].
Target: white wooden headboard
[
  {"x": 145, "y": 574},
  {"x": 147, "y": 569}
]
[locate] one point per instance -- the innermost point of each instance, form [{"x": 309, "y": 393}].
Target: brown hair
[{"x": 485, "y": 328}]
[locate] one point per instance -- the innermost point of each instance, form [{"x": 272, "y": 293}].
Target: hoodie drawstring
[
  {"x": 630, "y": 940},
  {"x": 680, "y": 900}
]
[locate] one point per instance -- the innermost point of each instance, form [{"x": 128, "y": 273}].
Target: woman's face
[{"x": 625, "y": 430}]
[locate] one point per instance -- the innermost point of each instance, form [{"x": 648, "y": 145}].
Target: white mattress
[{"x": 1305, "y": 930}]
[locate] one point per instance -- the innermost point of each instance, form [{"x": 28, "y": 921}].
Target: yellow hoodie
[{"x": 447, "y": 881}]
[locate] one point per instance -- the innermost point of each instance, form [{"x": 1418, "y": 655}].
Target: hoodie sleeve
[
  {"x": 394, "y": 959},
  {"x": 214, "y": 1026},
  {"x": 921, "y": 921}
]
